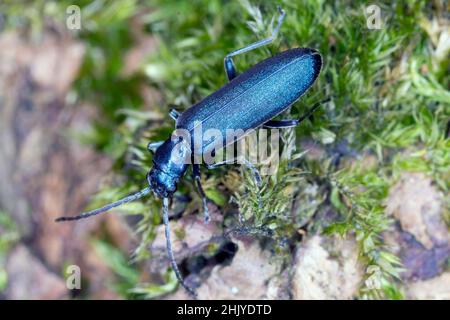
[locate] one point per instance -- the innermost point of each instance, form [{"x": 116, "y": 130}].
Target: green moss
[
  {"x": 389, "y": 92},
  {"x": 9, "y": 235},
  {"x": 371, "y": 109},
  {"x": 382, "y": 104}
]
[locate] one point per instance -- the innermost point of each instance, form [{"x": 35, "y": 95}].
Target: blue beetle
[{"x": 248, "y": 101}]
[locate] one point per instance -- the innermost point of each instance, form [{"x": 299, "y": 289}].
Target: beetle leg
[
  {"x": 255, "y": 172},
  {"x": 230, "y": 69},
  {"x": 247, "y": 163},
  {"x": 152, "y": 146},
  {"x": 279, "y": 124},
  {"x": 174, "y": 114},
  {"x": 250, "y": 166},
  {"x": 197, "y": 178}
]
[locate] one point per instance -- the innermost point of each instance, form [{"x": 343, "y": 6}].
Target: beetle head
[{"x": 163, "y": 184}]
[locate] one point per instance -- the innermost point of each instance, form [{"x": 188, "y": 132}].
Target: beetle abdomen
[{"x": 257, "y": 95}]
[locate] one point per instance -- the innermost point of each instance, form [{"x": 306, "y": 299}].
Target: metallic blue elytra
[
  {"x": 248, "y": 101},
  {"x": 257, "y": 95}
]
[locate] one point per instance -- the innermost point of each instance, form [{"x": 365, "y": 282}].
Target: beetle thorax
[{"x": 169, "y": 165}]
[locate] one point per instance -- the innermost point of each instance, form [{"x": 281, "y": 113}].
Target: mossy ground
[{"x": 390, "y": 104}]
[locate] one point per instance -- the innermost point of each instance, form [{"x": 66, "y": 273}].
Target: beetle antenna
[
  {"x": 169, "y": 249},
  {"x": 117, "y": 203}
]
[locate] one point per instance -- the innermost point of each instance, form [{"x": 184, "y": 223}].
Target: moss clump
[
  {"x": 390, "y": 101},
  {"x": 388, "y": 93}
]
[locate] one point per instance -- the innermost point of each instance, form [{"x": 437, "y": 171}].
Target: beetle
[{"x": 248, "y": 101}]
